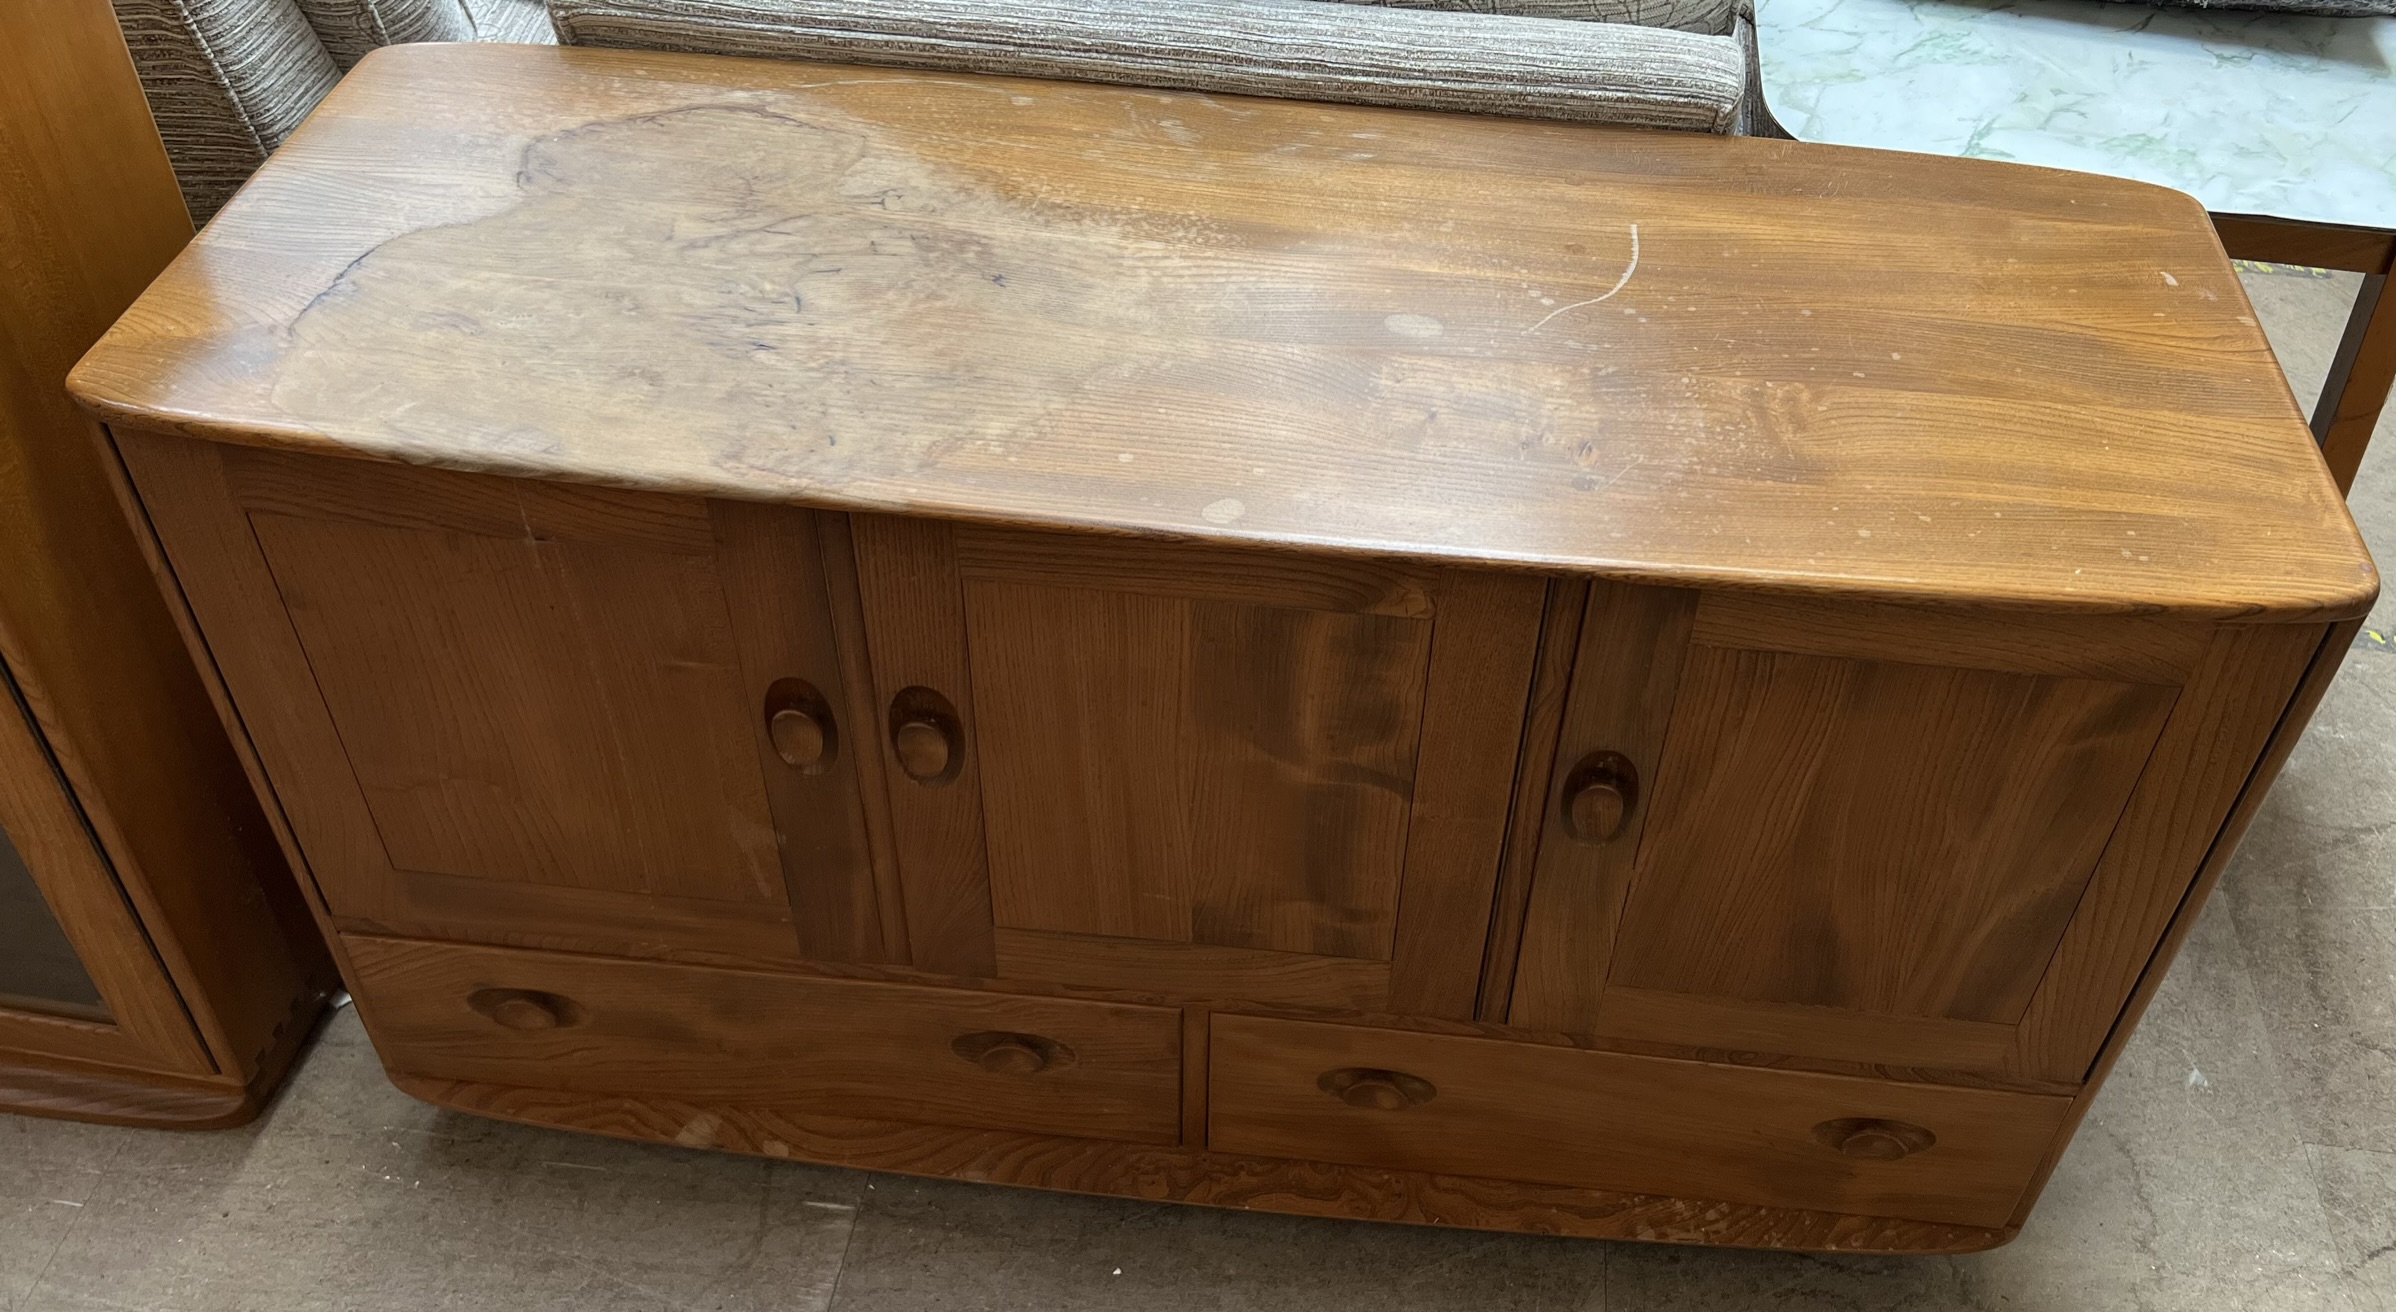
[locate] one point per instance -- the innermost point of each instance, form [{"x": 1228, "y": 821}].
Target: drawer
[
  {"x": 796, "y": 1043},
  {"x": 1549, "y": 1115}
]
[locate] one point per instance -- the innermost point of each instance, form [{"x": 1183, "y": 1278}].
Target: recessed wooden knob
[
  {"x": 1598, "y": 796},
  {"x": 1595, "y": 810},
  {"x": 525, "y": 1009},
  {"x": 1873, "y": 1138},
  {"x": 798, "y": 736},
  {"x": 1381, "y": 1090},
  {"x": 923, "y": 749},
  {"x": 1002, "y": 1053}
]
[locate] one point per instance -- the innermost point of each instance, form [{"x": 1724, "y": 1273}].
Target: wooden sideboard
[{"x": 1321, "y": 659}]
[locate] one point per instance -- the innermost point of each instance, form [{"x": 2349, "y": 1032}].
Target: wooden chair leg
[{"x": 2358, "y": 381}]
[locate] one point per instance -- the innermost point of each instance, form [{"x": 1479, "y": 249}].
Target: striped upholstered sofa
[{"x": 229, "y": 79}]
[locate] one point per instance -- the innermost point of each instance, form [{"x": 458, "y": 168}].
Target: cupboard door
[
  {"x": 524, "y": 712},
  {"x": 1864, "y": 833},
  {"x": 78, "y": 977},
  {"x": 1198, "y": 772}
]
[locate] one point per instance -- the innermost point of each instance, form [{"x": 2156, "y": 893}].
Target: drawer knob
[
  {"x": 922, "y": 750},
  {"x": 1873, "y": 1138},
  {"x": 925, "y": 736},
  {"x": 525, "y": 1009},
  {"x": 1367, "y": 1086},
  {"x": 1598, "y": 796},
  {"x": 798, "y": 737},
  {"x": 1002, "y": 1052}
]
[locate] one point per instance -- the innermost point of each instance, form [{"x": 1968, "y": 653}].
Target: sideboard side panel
[{"x": 2225, "y": 716}]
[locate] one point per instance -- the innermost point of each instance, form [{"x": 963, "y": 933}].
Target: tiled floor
[{"x": 2243, "y": 1157}]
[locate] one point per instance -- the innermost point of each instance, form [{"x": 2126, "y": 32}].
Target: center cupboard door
[
  {"x": 1875, "y": 834},
  {"x": 516, "y": 712},
  {"x": 1199, "y": 772}
]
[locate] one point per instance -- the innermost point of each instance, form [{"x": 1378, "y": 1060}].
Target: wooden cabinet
[
  {"x": 157, "y": 966},
  {"x": 1314, "y": 739}
]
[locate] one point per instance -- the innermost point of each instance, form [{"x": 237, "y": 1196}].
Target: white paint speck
[
  {"x": 2168, "y": 280},
  {"x": 2196, "y": 1078},
  {"x": 1863, "y": 532},
  {"x": 1414, "y": 325},
  {"x": 1226, "y": 511}
]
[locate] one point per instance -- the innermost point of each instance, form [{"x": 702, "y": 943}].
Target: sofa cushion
[
  {"x": 227, "y": 80},
  {"x": 1299, "y": 49},
  {"x": 1713, "y": 16},
  {"x": 350, "y": 28}
]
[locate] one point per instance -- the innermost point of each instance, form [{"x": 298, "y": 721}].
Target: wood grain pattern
[
  {"x": 44, "y": 1083},
  {"x": 864, "y": 710},
  {"x": 1196, "y": 771},
  {"x": 1623, "y": 684},
  {"x": 2335, "y": 644},
  {"x": 2315, "y": 245},
  {"x": 528, "y": 709},
  {"x": 222, "y": 951},
  {"x": 601, "y": 895},
  {"x": 843, "y": 1047},
  {"x": 771, "y": 564},
  {"x": 1881, "y": 1039},
  {"x": 1597, "y": 1120},
  {"x": 1479, "y": 682},
  {"x": 914, "y": 611},
  {"x": 2124, "y": 649},
  {"x": 1199, "y": 331},
  {"x": 1910, "y": 840},
  {"x": 2225, "y": 717},
  {"x": 1543, "y": 723},
  {"x": 1197, "y": 572},
  {"x": 1194, "y": 970},
  {"x": 2359, "y": 377},
  {"x": 1208, "y": 1178}
]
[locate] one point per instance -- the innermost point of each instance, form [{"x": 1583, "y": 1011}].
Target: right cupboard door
[
  {"x": 1195, "y": 772},
  {"x": 1881, "y": 835}
]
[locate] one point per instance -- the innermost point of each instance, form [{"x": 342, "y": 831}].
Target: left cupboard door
[{"x": 507, "y": 711}]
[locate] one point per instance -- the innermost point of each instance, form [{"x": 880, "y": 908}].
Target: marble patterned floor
[{"x": 2243, "y": 1157}]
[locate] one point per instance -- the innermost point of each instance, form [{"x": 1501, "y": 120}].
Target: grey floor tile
[
  {"x": 2359, "y": 1191},
  {"x": 48, "y": 1173},
  {"x": 2313, "y": 894},
  {"x": 923, "y": 1244},
  {"x": 353, "y": 1195}
]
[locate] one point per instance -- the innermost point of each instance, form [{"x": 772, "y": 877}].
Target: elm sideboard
[{"x": 1333, "y": 660}]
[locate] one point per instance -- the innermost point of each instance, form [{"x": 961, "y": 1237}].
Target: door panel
[
  {"x": 1906, "y": 840},
  {"x": 542, "y": 714},
  {"x": 553, "y": 712},
  {"x": 1852, "y": 831},
  {"x": 1211, "y": 773},
  {"x": 1195, "y": 771}
]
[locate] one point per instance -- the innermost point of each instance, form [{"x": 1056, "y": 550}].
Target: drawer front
[
  {"x": 1512, "y": 1111},
  {"x": 797, "y": 1043}
]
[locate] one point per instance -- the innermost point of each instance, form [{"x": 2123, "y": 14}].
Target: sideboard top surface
[{"x": 1656, "y": 356}]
